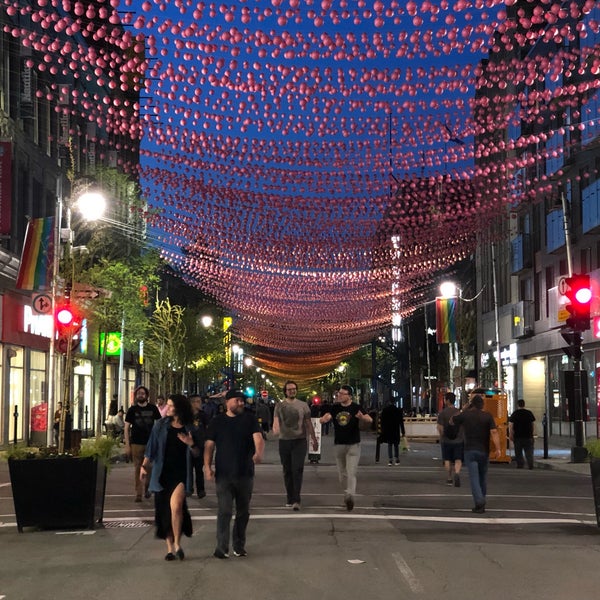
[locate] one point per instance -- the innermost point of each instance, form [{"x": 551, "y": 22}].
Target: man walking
[
  {"x": 520, "y": 433},
  {"x": 237, "y": 438},
  {"x": 392, "y": 429},
  {"x": 139, "y": 421},
  {"x": 478, "y": 425},
  {"x": 346, "y": 417},
  {"x": 451, "y": 440},
  {"x": 291, "y": 421},
  {"x": 200, "y": 424}
]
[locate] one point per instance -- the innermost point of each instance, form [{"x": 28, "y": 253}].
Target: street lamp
[
  {"x": 91, "y": 207},
  {"x": 446, "y": 322}
]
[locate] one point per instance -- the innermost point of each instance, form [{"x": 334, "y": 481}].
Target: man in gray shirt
[
  {"x": 478, "y": 426},
  {"x": 292, "y": 423}
]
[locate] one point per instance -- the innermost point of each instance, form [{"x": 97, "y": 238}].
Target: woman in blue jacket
[{"x": 170, "y": 450}]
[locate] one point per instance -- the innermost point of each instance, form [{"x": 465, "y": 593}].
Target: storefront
[{"x": 24, "y": 343}]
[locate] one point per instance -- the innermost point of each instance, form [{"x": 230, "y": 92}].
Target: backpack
[{"x": 451, "y": 431}]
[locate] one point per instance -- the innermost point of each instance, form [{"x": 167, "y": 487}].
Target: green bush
[{"x": 593, "y": 448}]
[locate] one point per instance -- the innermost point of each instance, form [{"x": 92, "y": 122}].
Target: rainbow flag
[
  {"x": 445, "y": 320},
  {"x": 35, "y": 270}
]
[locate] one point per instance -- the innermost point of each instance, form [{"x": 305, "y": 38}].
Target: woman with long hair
[{"x": 170, "y": 450}]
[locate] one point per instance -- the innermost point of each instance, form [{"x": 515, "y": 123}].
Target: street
[{"x": 410, "y": 536}]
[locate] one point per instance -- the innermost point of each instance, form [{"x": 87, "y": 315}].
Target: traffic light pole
[{"x": 578, "y": 452}]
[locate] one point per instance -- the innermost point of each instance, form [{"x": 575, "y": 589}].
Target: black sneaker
[
  {"x": 478, "y": 508},
  {"x": 349, "y": 501},
  {"x": 240, "y": 553},
  {"x": 220, "y": 554},
  {"x": 201, "y": 495},
  {"x": 456, "y": 480}
]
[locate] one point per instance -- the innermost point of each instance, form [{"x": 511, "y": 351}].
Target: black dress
[{"x": 173, "y": 473}]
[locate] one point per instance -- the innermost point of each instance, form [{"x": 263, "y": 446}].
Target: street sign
[
  {"x": 88, "y": 292},
  {"x": 42, "y": 304},
  {"x": 563, "y": 286}
]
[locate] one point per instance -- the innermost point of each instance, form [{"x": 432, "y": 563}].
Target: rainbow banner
[
  {"x": 35, "y": 270},
  {"x": 445, "y": 320}
]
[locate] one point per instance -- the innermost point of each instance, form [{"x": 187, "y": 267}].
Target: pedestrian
[
  {"x": 520, "y": 432},
  {"x": 139, "y": 421},
  {"x": 392, "y": 429},
  {"x": 346, "y": 417},
  {"x": 56, "y": 425},
  {"x": 236, "y": 437},
  {"x": 263, "y": 414},
  {"x": 161, "y": 405},
  {"x": 291, "y": 422},
  {"x": 451, "y": 440},
  {"x": 478, "y": 426},
  {"x": 200, "y": 423},
  {"x": 170, "y": 451}
]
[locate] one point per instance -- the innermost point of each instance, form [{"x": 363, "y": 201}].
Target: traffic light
[
  {"x": 67, "y": 324},
  {"x": 579, "y": 295}
]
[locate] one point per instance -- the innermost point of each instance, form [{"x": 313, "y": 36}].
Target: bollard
[
  {"x": 15, "y": 427},
  {"x": 545, "y": 433}
]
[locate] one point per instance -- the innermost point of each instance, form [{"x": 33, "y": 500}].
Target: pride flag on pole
[
  {"x": 445, "y": 320},
  {"x": 35, "y": 270}
]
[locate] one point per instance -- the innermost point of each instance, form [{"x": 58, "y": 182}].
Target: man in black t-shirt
[
  {"x": 520, "y": 432},
  {"x": 139, "y": 421},
  {"x": 346, "y": 416},
  {"x": 478, "y": 425},
  {"x": 237, "y": 438}
]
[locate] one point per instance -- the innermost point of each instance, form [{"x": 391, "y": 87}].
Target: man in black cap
[{"x": 237, "y": 438}]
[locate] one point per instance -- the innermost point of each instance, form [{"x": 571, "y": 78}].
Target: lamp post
[
  {"x": 91, "y": 207},
  {"x": 448, "y": 291}
]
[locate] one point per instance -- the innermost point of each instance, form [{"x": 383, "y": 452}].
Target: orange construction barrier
[{"x": 495, "y": 401}]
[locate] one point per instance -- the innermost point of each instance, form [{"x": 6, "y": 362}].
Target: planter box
[{"x": 58, "y": 493}]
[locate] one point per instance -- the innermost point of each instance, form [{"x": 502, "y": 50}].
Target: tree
[
  {"x": 122, "y": 309},
  {"x": 165, "y": 348}
]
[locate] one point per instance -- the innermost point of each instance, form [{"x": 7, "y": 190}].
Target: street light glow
[
  {"x": 91, "y": 205},
  {"x": 448, "y": 289},
  {"x": 206, "y": 321}
]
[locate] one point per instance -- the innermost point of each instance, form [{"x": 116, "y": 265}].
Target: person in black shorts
[{"x": 451, "y": 440}]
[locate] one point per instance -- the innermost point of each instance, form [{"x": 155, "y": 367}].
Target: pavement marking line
[
  {"x": 86, "y": 532},
  {"x": 432, "y": 519},
  {"x": 413, "y": 581}
]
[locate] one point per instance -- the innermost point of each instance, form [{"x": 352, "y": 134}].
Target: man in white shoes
[{"x": 346, "y": 416}]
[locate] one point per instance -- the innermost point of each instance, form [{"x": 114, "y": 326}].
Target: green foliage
[
  {"x": 124, "y": 280},
  {"x": 593, "y": 448},
  {"x": 102, "y": 447},
  {"x": 164, "y": 345},
  {"x": 19, "y": 452}
]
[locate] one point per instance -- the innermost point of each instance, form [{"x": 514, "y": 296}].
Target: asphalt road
[{"x": 410, "y": 536}]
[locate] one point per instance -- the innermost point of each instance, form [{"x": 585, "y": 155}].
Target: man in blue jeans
[{"x": 478, "y": 426}]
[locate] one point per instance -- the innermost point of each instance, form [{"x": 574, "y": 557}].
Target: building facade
[
  {"x": 537, "y": 103},
  {"x": 50, "y": 136}
]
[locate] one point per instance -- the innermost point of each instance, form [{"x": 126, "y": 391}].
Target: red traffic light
[
  {"x": 65, "y": 316},
  {"x": 316, "y": 400},
  {"x": 579, "y": 294},
  {"x": 68, "y": 320}
]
